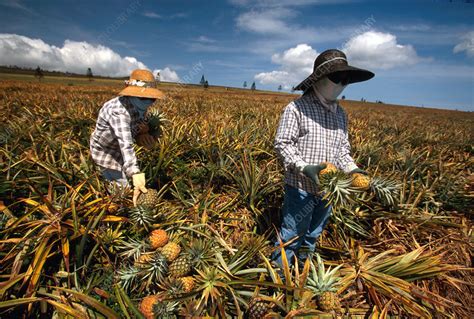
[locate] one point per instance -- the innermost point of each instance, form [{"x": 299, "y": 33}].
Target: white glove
[{"x": 138, "y": 186}]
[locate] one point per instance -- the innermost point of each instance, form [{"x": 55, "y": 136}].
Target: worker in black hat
[{"x": 313, "y": 131}]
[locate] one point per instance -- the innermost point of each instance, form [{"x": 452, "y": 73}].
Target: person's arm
[
  {"x": 121, "y": 124},
  {"x": 344, "y": 160},
  {"x": 286, "y": 139}
]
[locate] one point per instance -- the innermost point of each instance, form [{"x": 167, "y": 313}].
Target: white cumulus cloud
[
  {"x": 378, "y": 50},
  {"x": 167, "y": 75},
  {"x": 269, "y": 21},
  {"x": 371, "y": 49},
  {"x": 466, "y": 45},
  {"x": 295, "y": 65},
  {"x": 73, "y": 56}
]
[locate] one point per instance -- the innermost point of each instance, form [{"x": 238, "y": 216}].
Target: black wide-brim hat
[{"x": 331, "y": 61}]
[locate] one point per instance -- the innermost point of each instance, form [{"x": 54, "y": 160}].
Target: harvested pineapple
[
  {"x": 147, "y": 304},
  {"x": 258, "y": 308},
  {"x": 330, "y": 168},
  {"x": 180, "y": 267},
  {"x": 188, "y": 283},
  {"x": 158, "y": 238},
  {"x": 171, "y": 251},
  {"x": 150, "y": 199},
  {"x": 143, "y": 260},
  {"x": 360, "y": 181}
]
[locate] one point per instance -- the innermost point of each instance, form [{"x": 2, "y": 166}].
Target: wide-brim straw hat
[
  {"x": 142, "y": 83},
  {"x": 331, "y": 61}
]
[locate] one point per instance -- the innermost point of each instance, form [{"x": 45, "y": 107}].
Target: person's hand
[
  {"x": 312, "y": 171},
  {"x": 358, "y": 170},
  {"x": 138, "y": 186},
  {"x": 146, "y": 140}
]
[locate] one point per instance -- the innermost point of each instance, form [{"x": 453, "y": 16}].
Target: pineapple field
[{"x": 398, "y": 245}]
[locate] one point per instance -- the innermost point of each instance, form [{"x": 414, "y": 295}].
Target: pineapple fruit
[
  {"x": 188, "y": 283},
  {"x": 330, "y": 168},
  {"x": 258, "y": 308},
  {"x": 171, "y": 251},
  {"x": 360, "y": 181},
  {"x": 147, "y": 304},
  {"x": 149, "y": 199},
  {"x": 158, "y": 238},
  {"x": 143, "y": 260},
  {"x": 323, "y": 283},
  {"x": 180, "y": 267}
]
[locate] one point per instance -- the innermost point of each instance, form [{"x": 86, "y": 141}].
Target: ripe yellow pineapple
[
  {"x": 158, "y": 238},
  {"x": 149, "y": 199},
  {"x": 258, "y": 308},
  {"x": 171, "y": 251},
  {"x": 143, "y": 260},
  {"x": 323, "y": 283},
  {"x": 330, "y": 168},
  {"x": 147, "y": 304},
  {"x": 188, "y": 283},
  {"x": 328, "y": 301},
  {"x": 360, "y": 181},
  {"x": 180, "y": 267}
]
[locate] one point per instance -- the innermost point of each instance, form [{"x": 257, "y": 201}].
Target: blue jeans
[
  {"x": 115, "y": 178},
  {"x": 304, "y": 217}
]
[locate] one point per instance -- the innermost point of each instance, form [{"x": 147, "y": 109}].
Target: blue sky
[{"x": 422, "y": 52}]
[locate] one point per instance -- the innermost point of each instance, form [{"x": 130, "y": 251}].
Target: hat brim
[
  {"x": 355, "y": 75},
  {"x": 137, "y": 91}
]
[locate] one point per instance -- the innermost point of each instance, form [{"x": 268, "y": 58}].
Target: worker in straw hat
[
  {"x": 312, "y": 131},
  {"x": 121, "y": 121}
]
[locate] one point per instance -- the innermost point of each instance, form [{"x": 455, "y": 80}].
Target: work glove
[
  {"x": 358, "y": 170},
  {"x": 312, "y": 172},
  {"x": 138, "y": 186}
]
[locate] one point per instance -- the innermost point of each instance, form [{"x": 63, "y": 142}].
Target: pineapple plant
[
  {"x": 127, "y": 277},
  {"x": 150, "y": 199},
  {"x": 323, "y": 283},
  {"x": 110, "y": 238},
  {"x": 180, "y": 267},
  {"x": 158, "y": 238},
  {"x": 155, "y": 120},
  {"x": 200, "y": 252},
  {"x": 155, "y": 269},
  {"x": 330, "y": 168},
  {"x": 132, "y": 248},
  {"x": 360, "y": 181},
  {"x": 337, "y": 188},
  {"x": 258, "y": 308},
  {"x": 142, "y": 217},
  {"x": 386, "y": 191},
  {"x": 171, "y": 251}
]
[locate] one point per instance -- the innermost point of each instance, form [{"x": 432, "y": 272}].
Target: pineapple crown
[{"x": 322, "y": 280}]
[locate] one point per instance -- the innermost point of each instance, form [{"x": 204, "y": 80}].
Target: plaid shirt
[
  {"x": 111, "y": 143},
  {"x": 309, "y": 134}
]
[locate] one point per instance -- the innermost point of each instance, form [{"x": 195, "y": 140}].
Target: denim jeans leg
[
  {"x": 116, "y": 180},
  {"x": 296, "y": 216},
  {"x": 319, "y": 220}
]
